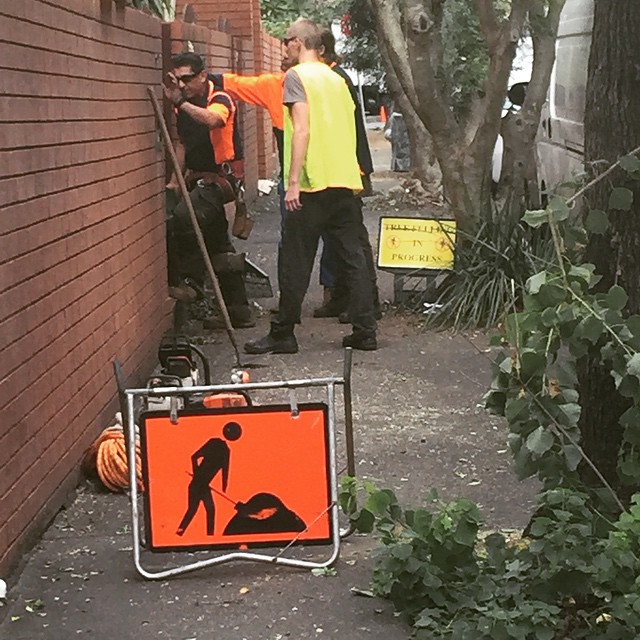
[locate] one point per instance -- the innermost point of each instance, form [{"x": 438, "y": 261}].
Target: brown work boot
[
  {"x": 241, "y": 318},
  {"x": 183, "y": 292}
]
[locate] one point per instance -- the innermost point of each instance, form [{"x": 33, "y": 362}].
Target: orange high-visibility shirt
[{"x": 264, "y": 90}]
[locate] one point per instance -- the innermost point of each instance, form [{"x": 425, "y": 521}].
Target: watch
[{"x": 180, "y": 102}]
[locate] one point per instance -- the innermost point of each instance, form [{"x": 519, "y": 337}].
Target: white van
[{"x": 561, "y": 142}]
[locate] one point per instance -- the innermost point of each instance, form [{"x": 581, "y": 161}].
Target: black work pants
[
  {"x": 334, "y": 266},
  {"x": 184, "y": 255},
  {"x": 338, "y": 213}
]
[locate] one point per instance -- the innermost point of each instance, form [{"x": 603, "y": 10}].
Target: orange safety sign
[{"x": 236, "y": 477}]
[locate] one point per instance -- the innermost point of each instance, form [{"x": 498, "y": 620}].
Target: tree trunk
[
  {"x": 612, "y": 129},
  {"x": 519, "y": 180},
  {"x": 423, "y": 160}
]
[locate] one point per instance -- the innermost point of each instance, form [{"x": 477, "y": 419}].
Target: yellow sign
[{"x": 416, "y": 243}]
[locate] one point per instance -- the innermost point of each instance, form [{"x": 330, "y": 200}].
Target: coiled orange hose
[{"x": 108, "y": 456}]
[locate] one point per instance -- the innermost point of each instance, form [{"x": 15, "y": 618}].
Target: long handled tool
[{"x": 194, "y": 221}]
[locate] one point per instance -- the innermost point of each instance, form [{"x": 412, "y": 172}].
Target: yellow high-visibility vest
[{"x": 331, "y": 160}]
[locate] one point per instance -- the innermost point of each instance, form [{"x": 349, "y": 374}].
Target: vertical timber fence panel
[{"x": 82, "y": 239}]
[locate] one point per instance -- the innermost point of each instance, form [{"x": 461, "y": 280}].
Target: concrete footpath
[{"x": 418, "y": 424}]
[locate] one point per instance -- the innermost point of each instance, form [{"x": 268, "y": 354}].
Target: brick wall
[
  {"x": 242, "y": 18},
  {"x": 243, "y": 15},
  {"x": 82, "y": 235},
  {"x": 82, "y": 240}
]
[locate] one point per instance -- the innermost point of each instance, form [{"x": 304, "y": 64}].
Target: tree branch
[
  {"x": 501, "y": 54},
  {"x": 599, "y": 178},
  {"x": 544, "y": 29},
  {"x": 423, "y": 35},
  {"x": 390, "y": 33},
  {"x": 489, "y": 23}
]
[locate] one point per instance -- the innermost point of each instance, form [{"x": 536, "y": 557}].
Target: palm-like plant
[{"x": 491, "y": 270}]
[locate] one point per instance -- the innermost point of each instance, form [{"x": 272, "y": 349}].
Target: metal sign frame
[{"x": 279, "y": 558}]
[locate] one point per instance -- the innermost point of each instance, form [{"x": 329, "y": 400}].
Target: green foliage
[
  {"x": 465, "y": 57},
  {"x": 491, "y": 270},
  {"x": 277, "y": 15},
  {"x": 574, "y": 578},
  {"x": 361, "y": 50},
  {"x": 576, "y": 574},
  {"x": 562, "y": 320},
  {"x": 464, "y": 60},
  {"x": 164, "y": 9}
]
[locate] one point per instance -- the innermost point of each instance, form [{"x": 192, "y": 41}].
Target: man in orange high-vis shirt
[
  {"x": 264, "y": 90},
  {"x": 209, "y": 140}
]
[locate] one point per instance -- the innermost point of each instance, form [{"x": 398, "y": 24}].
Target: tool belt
[
  {"x": 209, "y": 177},
  {"x": 231, "y": 185}
]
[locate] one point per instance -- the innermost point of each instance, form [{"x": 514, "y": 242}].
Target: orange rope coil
[{"x": 108, "y": 456}]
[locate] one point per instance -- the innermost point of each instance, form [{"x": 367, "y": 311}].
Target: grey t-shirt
[{"x": 293, "y": 89}]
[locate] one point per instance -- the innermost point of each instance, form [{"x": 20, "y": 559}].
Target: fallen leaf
[
  {"x": 365, "y": 593},
  {"x": 324, "y": 571}
]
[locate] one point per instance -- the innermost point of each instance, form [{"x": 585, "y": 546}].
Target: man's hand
[
  {"x": 171, "y": 89},
  {"x": 173, "y": 185},
  {"x": 292, "y": 198}
]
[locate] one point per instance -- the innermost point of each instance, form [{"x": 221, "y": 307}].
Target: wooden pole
[{"x": 194, "y": 221}]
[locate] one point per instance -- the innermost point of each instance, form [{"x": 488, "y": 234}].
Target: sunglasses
[
  {"x": 286, "y": 41},
  {"x": 187, "y": 77}
]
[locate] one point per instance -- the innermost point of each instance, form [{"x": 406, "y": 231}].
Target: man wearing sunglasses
[
  {"x": 209, "y": 153},
  {"x": 321, "y": 174}
]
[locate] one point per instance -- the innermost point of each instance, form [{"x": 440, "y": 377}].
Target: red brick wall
[
  {"x": 243, "y": 15},
  {"x": 261, "y": 52},
  {"x": 82, "y": 240},
  {"x": 82, "y": 237}
]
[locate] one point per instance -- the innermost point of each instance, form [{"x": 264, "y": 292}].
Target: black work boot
[
  {"x": 344, "y": 317},
  {"x": 332, "y": 306},
  {"x": 361, "y": 341},
  {"x": 278, "y": 340}
]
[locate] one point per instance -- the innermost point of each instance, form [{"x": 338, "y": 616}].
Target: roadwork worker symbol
[{"x": 210, "y": 459}]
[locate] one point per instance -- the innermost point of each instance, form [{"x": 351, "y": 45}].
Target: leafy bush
[
  {"x": 578, "y": 574},
  {"x": 491, "y": 270},
  {"x": 571, "y": 580},
  {"x": 277, "y": 15}
]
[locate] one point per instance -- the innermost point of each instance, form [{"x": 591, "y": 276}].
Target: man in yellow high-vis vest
[{"x": 321, "y": 176}]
